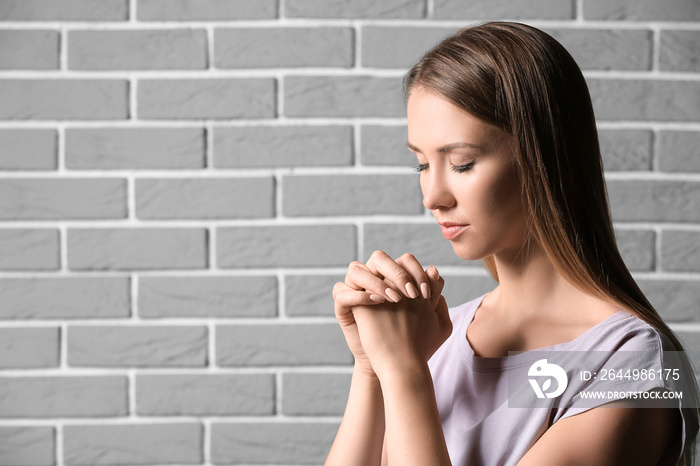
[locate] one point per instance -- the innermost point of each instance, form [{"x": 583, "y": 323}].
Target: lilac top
[{"x": 473, "y": 393}]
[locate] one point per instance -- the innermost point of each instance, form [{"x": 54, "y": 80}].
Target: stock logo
[{"x": 546, "y": 372}]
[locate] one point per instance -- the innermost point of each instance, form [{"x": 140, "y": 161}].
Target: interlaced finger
[{"x": 381, "y": 264}]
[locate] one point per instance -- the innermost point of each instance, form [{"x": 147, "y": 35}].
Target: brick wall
[{"x": 183, "y": 181}]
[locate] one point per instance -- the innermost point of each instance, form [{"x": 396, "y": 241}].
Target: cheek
[
  {"x": 507, "y": 196},
  {"x": 496, "y": 194}
]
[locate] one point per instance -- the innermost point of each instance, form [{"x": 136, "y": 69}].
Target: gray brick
[
  {"x": 216, "y": 10},
  {"x": 691, "y": 344},
  {"x": 608, "y": 49},
  {"x": 642, "y": 10},
  {"x": 64, "y": 10},
  {"x": 284, "y": 47},
  {"x": 159, "y": 49},
  {"x": 65, "y": 396},
  {"x": 267, "y": 442},
  {"x": 51, "y": 99},
  {"x": 74, "y": 198},
  {"x": 643, "y": 100},
  {"x": 285, "y": 246},
  {"x": 137, "y": 444},
  {"x": 205, "y": 198},
  {"x": 137, "y": 346},
  {"x": 399, "y": 47},
  {"x": 423, "y": 240},
  {"x": 460, "y": 289},
  {"x": 281, "y": 344},
  {"x": 501, "y": 9},
  {"x": 315, "y": 394},
  {"x": 24, "y": 348},
  {"x": 637, "y": 248},
  {"x": 29, "y": 50},
  {"x": 208, "y": 296},
  {"x": 680, "y": 251},
  {"x": 343, "y": 96},
  {"x": 305, "y": 195},
  {"x": 678, "y": 151},
  {"x": 65, "y": 298},
  {"x": 675, "y": 300},
  {"x": 354, "y": 9},
  {"x": 135, "y": 148},
  {"x": 137, "y": 248},
  {"x": 678, "y": 51},
  {"x": 626, "y": 149},
  {"x": 29, "y": 249},
  {"x": 594, "y": 49},
  {"x": 282, "y": 146},
  {"x": 34, "y": 149},
  {"x": 27, "y": 446},
  {"x": 654, "y": 200},
  {"x": 205, "y": 394},
  {"x": 310, "y": 295},
  {"x": 206, "y": 98},
  {"x": 385, "y": 145}
]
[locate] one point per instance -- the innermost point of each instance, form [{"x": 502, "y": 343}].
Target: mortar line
[
  {"x": 131, "y": 387},
  {"x": 281, "y": 296},
  {"x": 63, "y": 49},
  {"x": 357, "y": 44},
  {"x": 299, "y": 121},
  {"x": 344, "y": 22},
  {"x": 60, "y": 137},
  {"x": 578, "y": 17},
  {"x": 63, "y": 248},
  {"x": 58, "y": 438},
  {"x": 206, "y": 441},
  {"x": 325, "y": 72},
  {"x": 134, "y": 282},
  {"x": 656, "y": 50},
  {"x": 211, "y": 347},
  {"x": 657, "y": 249},
  {"x": 210, "y": 45}
]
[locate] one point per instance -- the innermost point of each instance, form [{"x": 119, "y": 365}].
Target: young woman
[{"x": 500, "y": 119}]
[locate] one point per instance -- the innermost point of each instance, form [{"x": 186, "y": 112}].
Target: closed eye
[
  {"x": 462, "y": 168},
  {"x": 455, "y": 168}
]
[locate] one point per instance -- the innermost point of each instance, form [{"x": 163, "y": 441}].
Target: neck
[{"x": 530, "y": 286}]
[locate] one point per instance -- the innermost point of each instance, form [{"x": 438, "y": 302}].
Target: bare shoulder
[{"x": 614, "y": 434}]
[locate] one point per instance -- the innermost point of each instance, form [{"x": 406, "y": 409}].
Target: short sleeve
[{"x": 643, "y": 371}]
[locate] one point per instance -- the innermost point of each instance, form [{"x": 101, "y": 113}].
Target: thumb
[{"x": 437, "y": 283}]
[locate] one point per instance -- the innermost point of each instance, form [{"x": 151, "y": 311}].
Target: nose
[{"x": 436, "y": 191}]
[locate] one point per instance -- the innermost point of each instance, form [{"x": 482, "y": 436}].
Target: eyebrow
[{"x": 448, "y": 147}]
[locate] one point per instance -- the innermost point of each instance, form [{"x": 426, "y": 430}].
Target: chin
[{"x": 468, "y": 254}]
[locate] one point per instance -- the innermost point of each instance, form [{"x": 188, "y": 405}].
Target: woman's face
[{"x": 468, "y": 176}]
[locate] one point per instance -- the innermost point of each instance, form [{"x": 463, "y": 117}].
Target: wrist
[
  {"x": 410, "y": 373},
  {"x": 365, "y": 373}
]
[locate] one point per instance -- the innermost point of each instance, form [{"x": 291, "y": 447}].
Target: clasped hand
[{"x": 392, "y": 313}]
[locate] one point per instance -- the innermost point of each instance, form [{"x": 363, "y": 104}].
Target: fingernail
[
  {"x": 425, "y": 289},
  {"x": 393, "y": 295},
  {"x": 411, "y": 290},
  {"x": 377, "y": 298}
]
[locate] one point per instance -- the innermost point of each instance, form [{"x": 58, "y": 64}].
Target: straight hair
[{"x": 523, "y": 81}]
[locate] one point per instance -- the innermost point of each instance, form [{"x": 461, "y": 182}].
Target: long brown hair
[{"x": 522, "y": 80}]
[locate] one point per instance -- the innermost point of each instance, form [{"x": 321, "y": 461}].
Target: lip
[{"x": 451, "y": 230}]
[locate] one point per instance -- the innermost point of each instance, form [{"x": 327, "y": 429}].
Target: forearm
[
  {"x": 414, "y": 433},
  {"x": 361, "y": 434}
]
